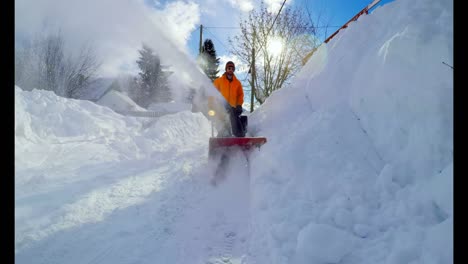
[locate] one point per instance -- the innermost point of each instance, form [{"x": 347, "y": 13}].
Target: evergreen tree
[
  {"x": 208, "y": 61},
  {"x": 153, "y": 80}
]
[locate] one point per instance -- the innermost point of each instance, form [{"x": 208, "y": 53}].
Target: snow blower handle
[{"x": 238, "y": 110}]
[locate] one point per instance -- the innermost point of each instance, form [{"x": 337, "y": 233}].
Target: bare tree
[
  {"x": 43, "y": 65},
  {"x": 26, "y": 62},
  {"x": 51, "y": 64},
  {"x": 80, "y": 72},
  {"x": 271, "y": 69}
]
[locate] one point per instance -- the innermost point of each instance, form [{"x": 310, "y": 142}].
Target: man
[{"x": 231, "y": 89}]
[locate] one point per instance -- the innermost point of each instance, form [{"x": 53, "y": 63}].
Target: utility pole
[
  {"x": 201, "y": 36},
  {"x": 252, "y": 83}
]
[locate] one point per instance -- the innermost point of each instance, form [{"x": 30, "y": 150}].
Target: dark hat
[{"x": 230, "y": 63}]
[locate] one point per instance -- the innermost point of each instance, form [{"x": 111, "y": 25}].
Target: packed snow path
[{"x": 162, "y": 212}]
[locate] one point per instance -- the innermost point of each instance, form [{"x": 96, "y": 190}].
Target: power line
[
  {"x": 224, "y": 27},
  {"x": 279, "y": 11},
  {"x": 216, "y": 38},
  {"x": 268, "y": 32},
  {"x": 291, "y": 27},
  {"x": 227, "y": 49},
  {"x": 448, "y": 65}
]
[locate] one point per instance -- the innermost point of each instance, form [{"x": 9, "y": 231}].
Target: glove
[{"x": 238, "y": 110}]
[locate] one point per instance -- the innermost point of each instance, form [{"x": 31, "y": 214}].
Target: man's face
[{"x": 229, "y": 69}]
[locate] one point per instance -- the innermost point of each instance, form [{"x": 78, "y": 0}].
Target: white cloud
[
  {"x": 115, "y": 28},
  {"x": 274, "y": 5},
  {"x": 241, "y": 68},
  {"x": 242, "y": 5},
  {"x": 179, "y": 19}
]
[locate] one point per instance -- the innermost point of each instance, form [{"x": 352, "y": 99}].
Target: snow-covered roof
[
  {"x": 97, "y": 89},
  {"x": 118, "y": 101}
]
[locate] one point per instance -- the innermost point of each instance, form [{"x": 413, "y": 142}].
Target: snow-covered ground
[{"x": 358, "y": 167}]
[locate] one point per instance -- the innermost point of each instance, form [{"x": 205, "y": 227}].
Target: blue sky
[{"x": 335, "y": 13}]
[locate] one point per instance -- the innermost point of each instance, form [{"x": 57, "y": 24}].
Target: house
[{"x": 98, "y": 88}]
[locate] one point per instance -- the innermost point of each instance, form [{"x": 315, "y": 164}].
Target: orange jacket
[{"x": 231, "y": 90}]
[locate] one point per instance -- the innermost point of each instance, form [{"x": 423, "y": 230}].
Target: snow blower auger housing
[
  {"x": 245, "y": 143},
  {"x": 220, "y": 143}
]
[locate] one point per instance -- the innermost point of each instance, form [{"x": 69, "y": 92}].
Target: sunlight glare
[{"x": 275, "y": 46}]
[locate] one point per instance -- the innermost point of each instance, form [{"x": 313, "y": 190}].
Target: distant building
[
  {"x": 118, "y": 102},
  {"x": 97, "y": 89}
]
